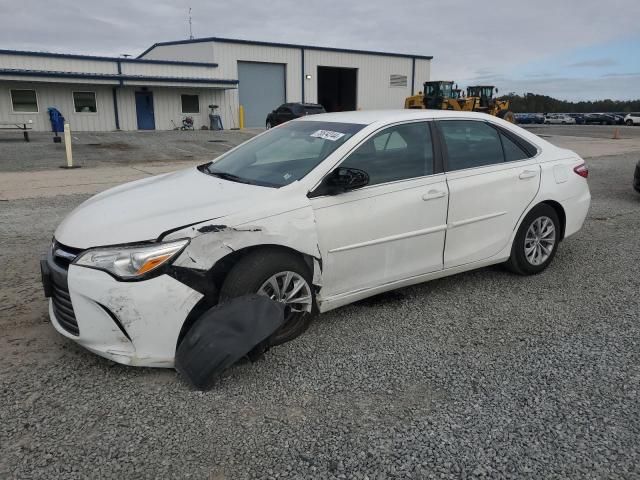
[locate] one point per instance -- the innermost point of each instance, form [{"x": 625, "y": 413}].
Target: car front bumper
[{"x": 133, "y": 323}]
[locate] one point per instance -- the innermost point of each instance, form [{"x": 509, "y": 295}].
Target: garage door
[{"x": 261, "y": 90}]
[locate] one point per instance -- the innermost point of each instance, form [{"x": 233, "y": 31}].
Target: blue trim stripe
[
  {"x": 105, "y": 59},
  {"x": 282, "y": 45},
  {"x": 114, "y": 77}
]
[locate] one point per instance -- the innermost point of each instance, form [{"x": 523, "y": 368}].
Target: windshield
[{"x": 282, "y": 155}]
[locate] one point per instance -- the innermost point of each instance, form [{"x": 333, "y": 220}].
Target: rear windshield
[{"x": 282, "y": 155}]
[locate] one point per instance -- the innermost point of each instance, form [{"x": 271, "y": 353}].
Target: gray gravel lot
[
  {"x": 484, "y": 374},
  {"x": 92, "y": 149}
]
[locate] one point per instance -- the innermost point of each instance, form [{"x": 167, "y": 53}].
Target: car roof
[{"x": 367, "y": 117}]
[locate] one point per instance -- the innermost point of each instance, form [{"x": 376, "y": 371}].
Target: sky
[{"x": 568, "y": 49}]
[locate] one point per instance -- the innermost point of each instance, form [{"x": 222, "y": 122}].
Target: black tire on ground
[
  {"x": 629, "y": 123},
  {"x": 518, "y": 262},
  {"x": 250, "y": 273}
]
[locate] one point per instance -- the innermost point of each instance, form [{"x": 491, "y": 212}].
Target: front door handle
[
  {"x": 528, "y": 174},
  {"x": 433, "y": 194}
]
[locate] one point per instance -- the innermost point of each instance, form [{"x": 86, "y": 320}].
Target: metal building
[{"x": 171, "y": 80}]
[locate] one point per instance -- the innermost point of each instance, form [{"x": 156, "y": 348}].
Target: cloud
[
  {"x": 497, "y": 39},
  {"x": 597, "y": 63}
]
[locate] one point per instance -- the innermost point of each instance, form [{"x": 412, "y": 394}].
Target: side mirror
[{"x": 343, "y": 179}]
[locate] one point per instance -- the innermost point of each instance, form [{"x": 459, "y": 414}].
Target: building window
[
  {"x": 398, "y": 81},
  {"x": 24, "y": 101},
  {"x": 190, "y": 104},
  {"x": 85, "y": 102}
]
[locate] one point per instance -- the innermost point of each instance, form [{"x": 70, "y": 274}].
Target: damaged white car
[{"x": 317, "y": 213}]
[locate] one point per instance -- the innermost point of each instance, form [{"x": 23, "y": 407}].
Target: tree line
[{"x": 532, "y": 102}]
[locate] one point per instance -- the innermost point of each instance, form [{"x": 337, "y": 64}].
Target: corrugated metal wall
[
  {"x": 374, "y": 72},
  {"x": 423, "y": 74},
  {"x": 60, "y": 97}
]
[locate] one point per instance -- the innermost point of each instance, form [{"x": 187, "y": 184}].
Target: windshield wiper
[{"x": 228, "y": 176}]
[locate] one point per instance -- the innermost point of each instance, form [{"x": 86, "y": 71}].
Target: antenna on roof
[{"x": 190, "y": 30}]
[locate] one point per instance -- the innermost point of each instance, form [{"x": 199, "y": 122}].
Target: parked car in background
[
  {"x": 619, "y": 118},
  {"x": 632, "y": 119},
  {"x": 578, "y": 117},
  {"x": 538, "y": 118},
  {"x": 289, "y": 111},
  {"x": 313, "y": 214},
  {"x": 599, "y": 119},
  {"x": 524, "y": 118},
  {"x": 559, "y": 118}
]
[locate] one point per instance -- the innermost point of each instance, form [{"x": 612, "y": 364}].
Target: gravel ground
[
  {"x": 91, "y": 149},
  {"x": 484, "y": 374}
]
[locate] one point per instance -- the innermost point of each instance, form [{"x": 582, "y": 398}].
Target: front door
[
  {"x": 491, "y": 182},
  {"x": 392, "y": 229},
  {"x": 144, "y": 111}
]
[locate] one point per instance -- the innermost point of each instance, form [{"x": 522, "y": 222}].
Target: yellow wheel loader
[{"x": 440, "y": 95}]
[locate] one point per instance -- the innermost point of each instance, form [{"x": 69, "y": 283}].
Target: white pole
[{"x": 67, "y": 145}]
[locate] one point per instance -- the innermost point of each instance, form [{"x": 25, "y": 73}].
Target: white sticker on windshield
[{"x": 327, "y": 135}]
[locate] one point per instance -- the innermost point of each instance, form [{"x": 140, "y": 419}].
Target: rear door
[{"x": 491, "y": 180}]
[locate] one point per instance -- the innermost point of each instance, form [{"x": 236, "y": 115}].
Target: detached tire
[
  {"x": 536, "y": 242},
  {"x": 280, "y": 275}
]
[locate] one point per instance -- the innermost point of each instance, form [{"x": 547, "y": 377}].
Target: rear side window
[
  {"x": 512, "y": 150},
  {"x": 470, "y": 144},
  {"x": 396, "y": 153}
]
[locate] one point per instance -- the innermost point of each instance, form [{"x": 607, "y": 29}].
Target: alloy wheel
[
  {"x": 539, "y": 241},
  {"x": 291, "y": 289}
]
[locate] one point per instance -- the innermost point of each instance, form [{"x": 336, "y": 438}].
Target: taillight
[{"x": 582, "y": 170}]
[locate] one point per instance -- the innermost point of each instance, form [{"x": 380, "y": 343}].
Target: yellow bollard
[{"x": 241, "y": 116}]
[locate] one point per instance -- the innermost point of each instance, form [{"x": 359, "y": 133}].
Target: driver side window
[{"x": 396, "y": 153}]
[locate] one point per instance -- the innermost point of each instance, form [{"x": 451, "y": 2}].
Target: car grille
[
  {"x": 63, "y": 256},
  {"x": 63, "y": 309}
]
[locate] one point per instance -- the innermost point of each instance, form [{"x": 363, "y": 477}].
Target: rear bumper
[{"x": 576, "y": 210}]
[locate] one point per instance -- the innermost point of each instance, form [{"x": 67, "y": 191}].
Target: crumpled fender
[{"x": 214, "y": 239}]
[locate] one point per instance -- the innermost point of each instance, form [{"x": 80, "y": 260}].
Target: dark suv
[{"x": 289, "y": 111}]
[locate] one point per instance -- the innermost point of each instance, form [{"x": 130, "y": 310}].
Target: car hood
[{"x": 145, "y": 209}]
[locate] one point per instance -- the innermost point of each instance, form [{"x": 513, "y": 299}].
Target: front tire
[
  {"x": 536, "y": 242},
  {"x": 282, "y": 276},
  {"x": 629, "y": 123}
]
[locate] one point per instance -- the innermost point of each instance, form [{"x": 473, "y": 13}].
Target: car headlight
[{"x": 131, "y": 262}]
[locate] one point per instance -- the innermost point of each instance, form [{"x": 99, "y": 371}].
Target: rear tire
[
  {"x": 536, "y": 242},
  {"x": 252, "y": 272}
]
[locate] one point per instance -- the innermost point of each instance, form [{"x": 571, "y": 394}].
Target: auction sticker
[{"x": 327, "y": 135}]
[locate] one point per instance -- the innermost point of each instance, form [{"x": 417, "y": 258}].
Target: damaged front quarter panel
[{"x": 212, "y": 240}]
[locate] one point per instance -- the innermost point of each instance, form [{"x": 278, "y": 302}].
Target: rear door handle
[
  {"x": 433, "y": 194},
  {"x": 528, "y": 174}
]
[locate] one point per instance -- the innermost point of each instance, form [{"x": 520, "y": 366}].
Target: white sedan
[
  {"x": 559, "y": 118},
  {"x": 317, "y": 213}
]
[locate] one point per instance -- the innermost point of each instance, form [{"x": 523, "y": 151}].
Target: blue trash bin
[{"x": 57, "y": 120}]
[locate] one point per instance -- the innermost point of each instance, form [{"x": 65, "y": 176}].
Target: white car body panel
[
  {"x": 359, "y": 243},
  {"x": 395, "y": 230},
  {"x": 478, "y": 210}
]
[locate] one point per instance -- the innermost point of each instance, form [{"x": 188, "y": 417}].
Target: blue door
[{"x": 144, "y": 111}]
